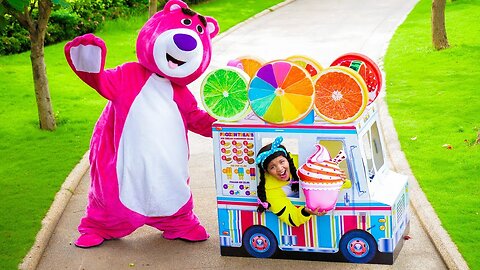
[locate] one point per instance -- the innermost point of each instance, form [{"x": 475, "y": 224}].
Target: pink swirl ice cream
[{"x": 321, "y": 179}]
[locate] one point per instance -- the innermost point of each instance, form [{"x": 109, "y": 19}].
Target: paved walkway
[{"x": 320, "y": 29}]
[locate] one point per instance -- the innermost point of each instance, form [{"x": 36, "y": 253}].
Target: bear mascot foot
[
  {"x": 197, "y": 234},
  {"x": 89, "y": 240}
]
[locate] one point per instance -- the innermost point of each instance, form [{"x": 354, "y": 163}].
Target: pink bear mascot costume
[{"x": 139, "y": 148}]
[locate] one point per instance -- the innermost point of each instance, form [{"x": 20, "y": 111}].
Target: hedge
[{"x": 80, "y": 17}]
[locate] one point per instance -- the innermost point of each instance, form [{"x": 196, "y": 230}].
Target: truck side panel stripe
[
  {"x": 359, "y": 208},
  {"x": 323, "y": 224},
  {"x": 300, "y": 232},
  {"x": 233, "y": 224},
  {"x": 271, "y": 221},
  {"x": 312, "y": 231},
  {"x": 246, "y": 220},
  {"x": 338, "y": 208},
  {"x": 349, "y": 223},
  {"x": 337, "y": 222}
]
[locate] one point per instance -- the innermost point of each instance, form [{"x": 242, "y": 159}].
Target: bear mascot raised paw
[{"x": 139, "y": 148}]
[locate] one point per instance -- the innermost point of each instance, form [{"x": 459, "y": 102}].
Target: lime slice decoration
[{"x": 224, "y": 94}]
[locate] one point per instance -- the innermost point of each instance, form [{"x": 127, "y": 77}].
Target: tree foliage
[{"x": 33, "y": 16}]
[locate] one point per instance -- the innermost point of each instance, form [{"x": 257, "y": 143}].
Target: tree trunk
[
  {"x": 39, "y": 69},
  {"x": 40, "y": 80},
  {"x": 439, "y": 33},
  {"x": 152, "y": 7}
]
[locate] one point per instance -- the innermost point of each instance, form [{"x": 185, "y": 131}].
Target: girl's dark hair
[{"x": 261, "y": 185}]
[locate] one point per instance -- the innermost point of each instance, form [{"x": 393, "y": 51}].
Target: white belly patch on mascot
[{"x": 153, "y": 153}]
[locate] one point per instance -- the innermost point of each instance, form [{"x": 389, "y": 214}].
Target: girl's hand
[{"x": 315, "y": 212}]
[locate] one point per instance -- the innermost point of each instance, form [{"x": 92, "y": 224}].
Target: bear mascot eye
[
  {"x": 186, "y": 22},
  {"x": 200, "y": 29}
]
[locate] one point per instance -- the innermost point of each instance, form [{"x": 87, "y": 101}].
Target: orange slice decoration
[
  {"x": 249, "y": 64},
  {"x": 341, "y": 95},
  {"x": 281, "y": 92}
]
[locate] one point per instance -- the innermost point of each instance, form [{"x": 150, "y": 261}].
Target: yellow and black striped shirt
[{"x": 281, "y": 205}]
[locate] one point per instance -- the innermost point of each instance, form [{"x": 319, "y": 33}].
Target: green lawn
[
  {"x": 434, "y": 99},
  {"x": 34, "y": 163}
]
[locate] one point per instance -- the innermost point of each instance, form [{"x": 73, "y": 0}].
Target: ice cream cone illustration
[
  {"x": 321, "y": 179},
  {"x": 228, "y": 172}
]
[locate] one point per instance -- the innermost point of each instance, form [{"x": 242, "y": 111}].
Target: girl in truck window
[{"x": 278, "y": 177}]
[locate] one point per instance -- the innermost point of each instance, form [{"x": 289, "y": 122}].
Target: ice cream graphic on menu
[{"x": 321, "y": 179}]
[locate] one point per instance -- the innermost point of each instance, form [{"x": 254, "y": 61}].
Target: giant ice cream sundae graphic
[{"x": 321, "y": 179}]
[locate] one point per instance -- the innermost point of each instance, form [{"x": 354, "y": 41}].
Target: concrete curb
[
  {"x": 419, "y": 202},
  {"x": 54, "y": 213}
]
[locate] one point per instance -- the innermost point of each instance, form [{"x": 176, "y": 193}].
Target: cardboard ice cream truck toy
[{"x": 314, "y": 114}]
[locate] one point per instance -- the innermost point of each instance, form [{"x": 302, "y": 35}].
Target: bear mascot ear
[
  {"x": 212, "y": 26},
  {"x": 174, "y": 5}
]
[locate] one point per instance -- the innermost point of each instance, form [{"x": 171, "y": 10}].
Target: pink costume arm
[
  {"x": 86, "y": 56},
  {"x": 196, "y": 119}
]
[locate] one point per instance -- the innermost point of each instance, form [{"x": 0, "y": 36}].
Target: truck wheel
[
  {"x": 358, "y": 246},
  {"x": 259, "y": 242}
]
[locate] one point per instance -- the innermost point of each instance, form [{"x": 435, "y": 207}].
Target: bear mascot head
[{"x": 175, "y": 43}]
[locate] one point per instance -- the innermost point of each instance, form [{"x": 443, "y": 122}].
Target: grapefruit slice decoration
[
  {"x": 310, "y": 65},
  {"x": 367, "y": 68},
  {"x": 340, "y": 95},
  {"x": 224, "y": 94},
  {"x": 281, "y": 92}
]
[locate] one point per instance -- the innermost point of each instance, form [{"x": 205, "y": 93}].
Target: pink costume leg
[
  {"x": 100, "y": 224},
  {"x": 182, "y": 225}
]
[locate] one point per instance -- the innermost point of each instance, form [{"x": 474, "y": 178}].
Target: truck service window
[
  {"x": 372, "y": 147},
  {"x": 333, "y": 147},
  {"x": 377, "y": 147}
]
